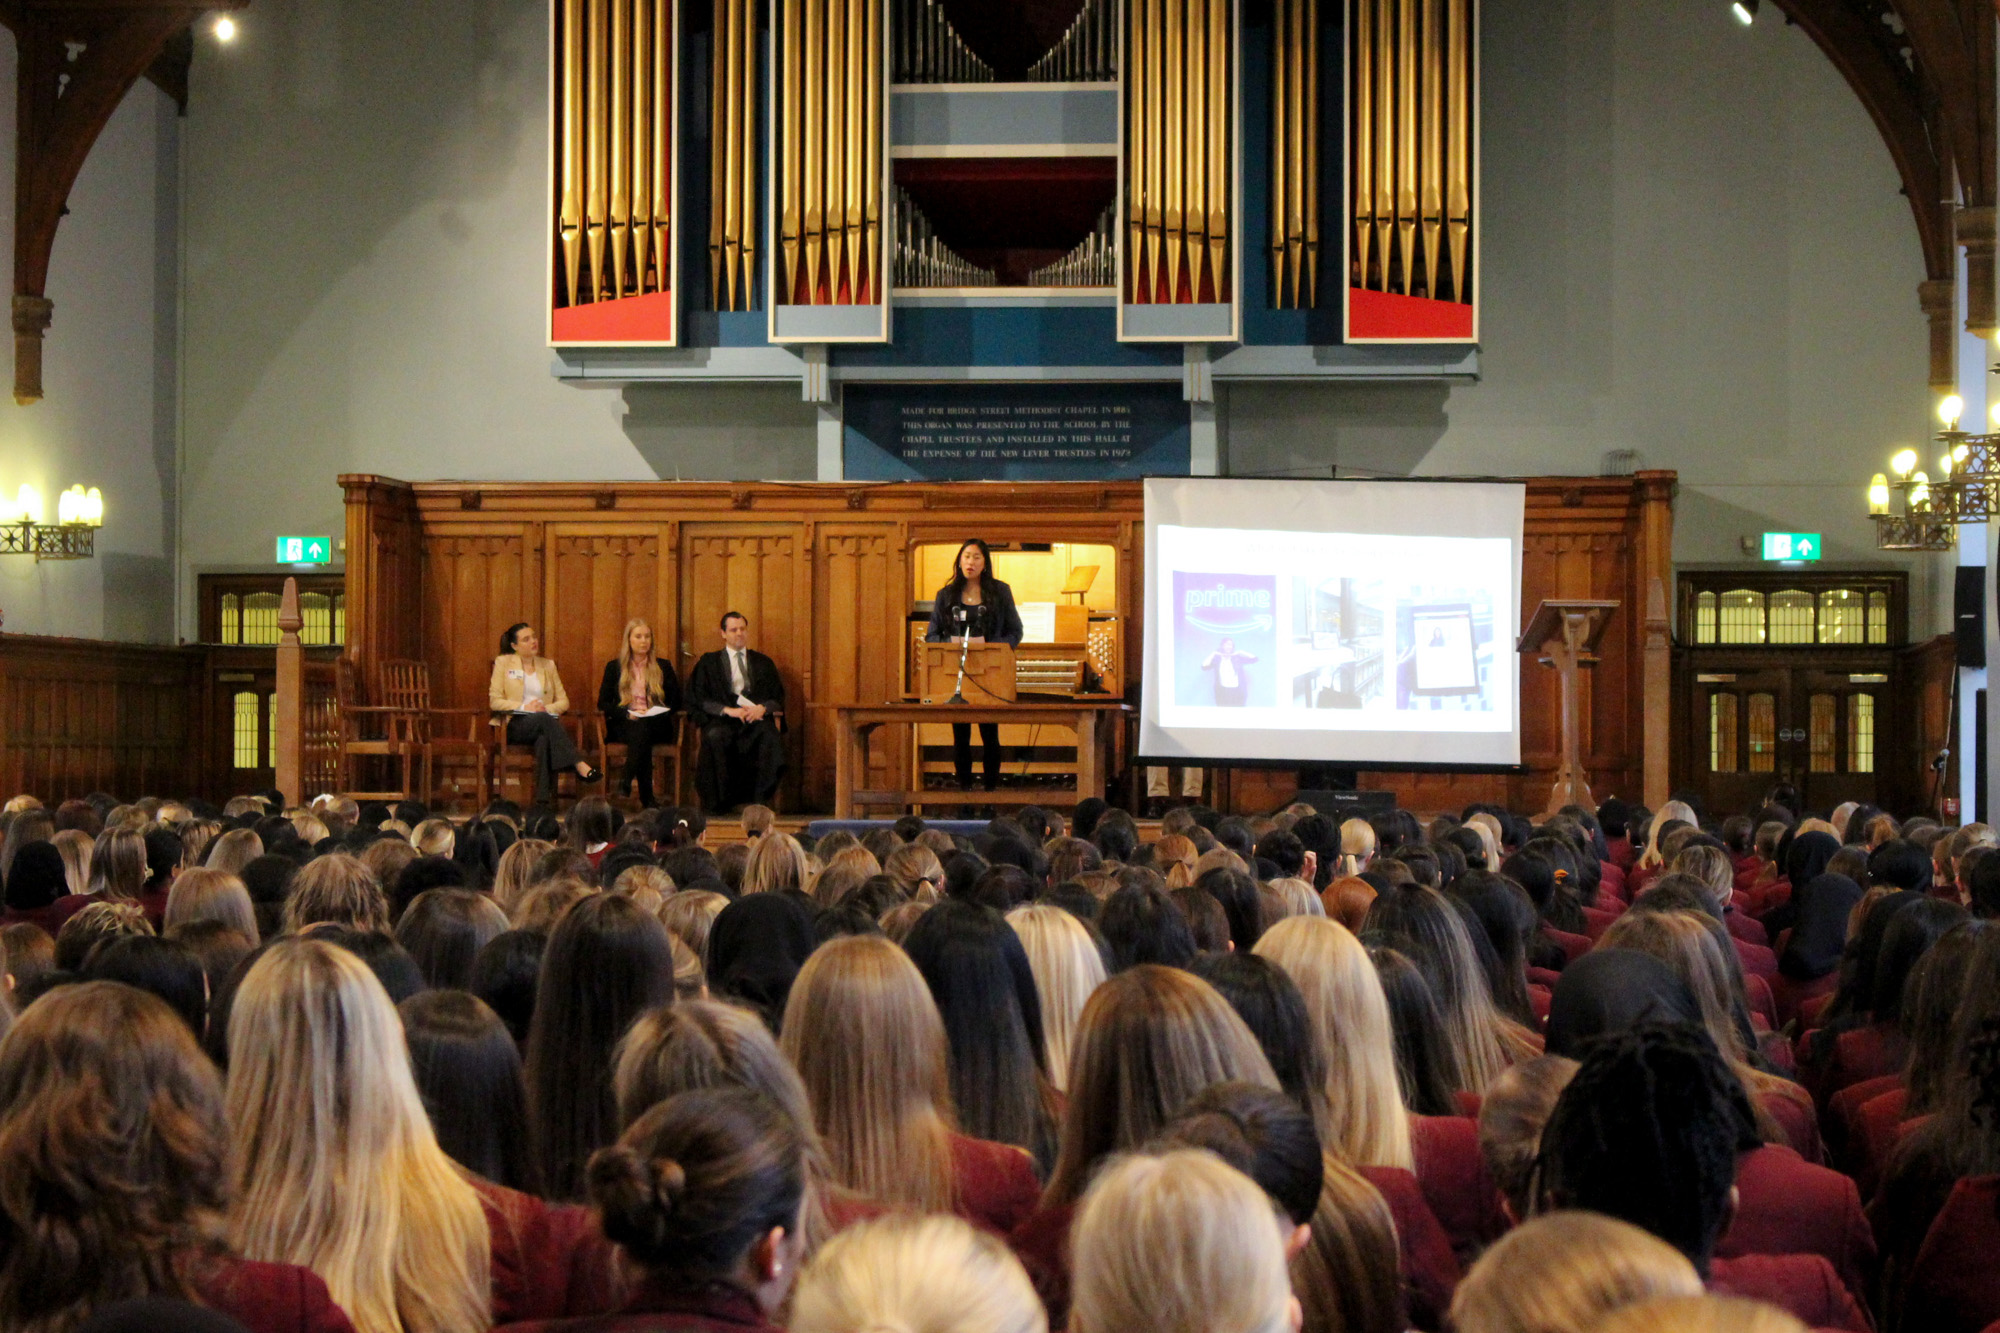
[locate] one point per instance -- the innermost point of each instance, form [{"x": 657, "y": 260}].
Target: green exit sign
[
  {"x": 310, "y": 550},
  {"x": 1791, "y": 546}
]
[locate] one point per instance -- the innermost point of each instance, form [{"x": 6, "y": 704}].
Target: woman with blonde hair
[
  {"x": 776, "y": 863},
  {"x": 75, "y": 846},
  {"x": 1653, "y": 858},
  {"x": 915, "y": 868},
  {"x": 210, "y": 895},
  {"x": 114, "y": 1173},
  {"x": 1699, "y": 1314},
  {"x": 936, "y": 1274},
  {"x": 338, "y": 889},
  {"x": 1180, "y": 1243},
  {"x": 118, "y": 866},
  {"x": 690, "y": 914},
  {"x": 1174, "y": 856},
  {"x": 1068, "y": 967},
  {"x": 862, "y": 1030},
  {"x": 516, "y": 872},
  {"x": 336, "y": 1167},
  {"x": 1710, "y": 865},
  {"x": 1364, "y": 1121},
  {"x": 233, "y": 850},
  {"x": 312, "y": 830},
  {"x": 1563, "y": 1272},
  {"x": 1357, "y": 846},
  {"x": 434, "y": 837},
  {"x": 638, "y": 697}
]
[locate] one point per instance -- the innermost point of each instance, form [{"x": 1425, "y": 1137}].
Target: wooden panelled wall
[
  {"x": 80, "y": 716},
  {"x": 438, "y": 569}
]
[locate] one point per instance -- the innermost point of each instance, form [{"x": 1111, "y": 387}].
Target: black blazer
[
  {"x": 708, "y": 684},
  {"x": 612, "y": 706},
  {"x": 998, "y": 596}
]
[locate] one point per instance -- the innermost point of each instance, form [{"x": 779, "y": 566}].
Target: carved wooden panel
[
  {"x": 760, "y": 570},
  {"x": 857, "y": 594},
  {"x": 80, "y": 716},
  {"x": 476, "y": 582},
  {"x": 599, "y": 577}
]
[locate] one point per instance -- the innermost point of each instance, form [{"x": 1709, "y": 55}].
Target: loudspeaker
[
  {"x": 1969, "y": 615},
  {"x": 1341, "y": 806}
]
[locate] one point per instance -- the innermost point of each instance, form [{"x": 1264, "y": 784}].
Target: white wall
[
  {"x": 1694, "y": 248},
  {"x": 109, "y": 378}
]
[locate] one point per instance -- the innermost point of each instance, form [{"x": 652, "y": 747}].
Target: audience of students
[{"x": 368, "y": 1067}]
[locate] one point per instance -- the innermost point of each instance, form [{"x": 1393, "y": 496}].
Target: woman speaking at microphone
[{"x": 978, "y": 605}]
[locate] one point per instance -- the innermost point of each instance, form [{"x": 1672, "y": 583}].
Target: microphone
[{"x": 964, "y": 651}]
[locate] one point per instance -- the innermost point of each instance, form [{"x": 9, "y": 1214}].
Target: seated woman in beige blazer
[{"x": 527, "y": 688}]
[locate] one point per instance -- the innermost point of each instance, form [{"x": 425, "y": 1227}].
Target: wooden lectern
[
  {"x": 1566, "y": 634},
  {"x": 989, "y": 673}
]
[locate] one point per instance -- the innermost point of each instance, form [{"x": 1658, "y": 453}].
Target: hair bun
[{"x": 669, "y": 1184}]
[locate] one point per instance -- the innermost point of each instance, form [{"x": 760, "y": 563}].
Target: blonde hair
[
  {"x": 1219, "y": 856},
  {"x": 934, "y": 1274},
  {"x": 118, "y": 865},
  {"x": 865, "y": 1035},
  {"x": 233, "y": 850},
  {"x": 910, "y": 865},
  {"x": 1174, "y": 856},
  {"x": 1699, "y": 1314},
  {"x": 517, "y": 865},
  {"x": 1365, "y": 1121},
  {"x": 434, "y": 837},
  {"x": 1672, "y": 810},
  {"x": 309, "y": 826},
  {"x": 689, "y": 915},
  {"x": 776, "y": 862},
  {"x": 335, "y": 1166},
  {"x": 757, "y": 820},
  {"x": 1067, "y": 967},
  {"x": 16, "y": 804},
  {"x": 339, "y": 889},
  {"x": 634, "y": 878},
  {"x": 195, "y": 839},
  {"x": 1178, "y": 1243},
  {"x": 1297, "y": 897},
  {"x": 1357, "y": 845},
  {"x": 838, "y": 880},
  {"x": 545, "y": 904},
  {"x": 74, "y": 844},
  {"x": 655, "y": 682},
  {"x": 385, "y": 857},
  {"x": 690, "y": 978},
  {"x": 202, "y": 894},
  {"x": 1562, "y": 1272}
]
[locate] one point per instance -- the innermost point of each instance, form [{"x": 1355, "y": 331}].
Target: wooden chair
[
  {"x": 432, "y": 733},
  {"x": 670, "y": 764},
  {"x": 366, "y": 731},
  {"x": 510, "y": 761}
]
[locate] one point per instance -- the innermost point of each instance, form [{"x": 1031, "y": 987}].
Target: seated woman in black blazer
[
  {"x": 974, "y": 601},
  {"x": 639, "y": 697}
]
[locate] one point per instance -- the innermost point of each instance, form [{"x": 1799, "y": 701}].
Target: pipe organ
[
  {"x": 612, "y": 259},
  {"x": 863, "y": 156}
]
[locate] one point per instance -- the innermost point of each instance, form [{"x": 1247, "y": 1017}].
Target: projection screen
[{"x": 1369, "y": 623}]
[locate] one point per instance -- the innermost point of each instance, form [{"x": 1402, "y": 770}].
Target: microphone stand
[{"x": 964, "y": 650}]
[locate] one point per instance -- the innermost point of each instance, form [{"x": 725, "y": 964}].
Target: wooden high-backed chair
[
  {"x": 670, "y": 762},
  {"x": 366, "y": 731},
  {"x": 516, "y": 763},
  {"x": 432, "y": 733}
]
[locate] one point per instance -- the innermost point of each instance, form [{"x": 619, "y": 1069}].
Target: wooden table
[{"x": 1086, "y": 717}]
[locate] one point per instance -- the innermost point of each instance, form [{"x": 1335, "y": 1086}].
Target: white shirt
[
  {"x": 1226, "y": 670},
  {"x": 531, "y": 686},
  {"x": 739, "y": 675}
]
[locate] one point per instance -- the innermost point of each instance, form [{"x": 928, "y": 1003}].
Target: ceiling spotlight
[
  {"x": 1745, "y": 11},
  {"x": 225, "y": 26}
]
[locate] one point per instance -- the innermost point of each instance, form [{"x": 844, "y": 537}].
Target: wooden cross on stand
[{"x": 1566, "y": 634}]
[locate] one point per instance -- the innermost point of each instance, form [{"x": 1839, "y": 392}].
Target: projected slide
[{"x": 1356, "y": 622}]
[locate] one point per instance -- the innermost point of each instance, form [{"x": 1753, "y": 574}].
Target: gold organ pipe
[
  {"x": 1281, "y": 74},
  {"x": 813, "y": 166},
  {"x": 1137, "y": 191},
  {"x": 1156, "y": 146},
  {"x": 1458, "y": 132},
  {"x": 1406, "y": 142},
  {"x": 621, "y": 143},
  {"x": 791, "y": 234},
  {"x": 1295, "y": 149},
  {"x": 834, "y": 54},
  {"x": 569, "y": 218},
  {"x": 1432, "y": 144},
  {"x": 1173, "y": 205},
  {"x": 1221, "y": 46},
  {"x": 857, "y": 32},
  {"x": 747, "y": 150},
  {"x": 1363, "y": 187},
  {"x": 598, "y": 194},
  {"x": 661, "y": 137},
  {"x": 645, "y": 90},
  {"x": 1194, "y": 135},
  {"x": 1385, "y": 131},
  {"x": 1309, "y": 131},
  {"x": 729, "y": 130},
  {"x": 875, "y": 50}
]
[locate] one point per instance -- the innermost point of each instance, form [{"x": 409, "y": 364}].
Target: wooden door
[
  {"x": 1834, "y": 735},
  {"x": 756, "y": 569},
  {"x": 1741, "y": 735}
]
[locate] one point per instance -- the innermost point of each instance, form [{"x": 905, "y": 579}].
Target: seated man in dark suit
[{"x": 739, "y": 701}]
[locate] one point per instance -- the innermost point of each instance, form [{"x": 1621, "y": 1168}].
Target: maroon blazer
[
  {"x": 45, "y": 917},
  {"x": 1954, "y": 1286},
  {"x": 1456, "y": 1184},
  {"x": 996, "y": 1183},
  {"x": 1042, "y": 1245},
  {"x": 1761, "y": 1002},
  {"x": 1573, "y": 946},
  {"x": 1795, "y": 1116},
  {"x": 715, "y": 1309},
  {"x": 65, "y": 907},
  {"x": 1757, "y": 959},
  {"x": 1430, "y": 1269},
  {"x": 1748, "y": 929},
  {"x": 1843, "y": 1120},
  {"x": 1611, "y": 882},
  {"x": 1791, "y": 993},
  {"x": 1596, "y": 921},
  {"x": 1804, "y": 1284},
  {"x": 1881, "y": 1120},
  {"x": 550, "y": 1261},
  {"x": 273, "y": 1298},
  {"x": 1786, "y": 1205}
]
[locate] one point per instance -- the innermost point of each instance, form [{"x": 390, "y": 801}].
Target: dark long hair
[
  {"x": 954, "y": 590},
  {"x": 1507, "y": 919},
  {"x": 507, "y": 636},
  {"x": 1423, "y": 1066},
  {"x": 469, "y": 1072},
  {"x": 978, "y": 973},
  {"x": 607, "y": 962}
]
